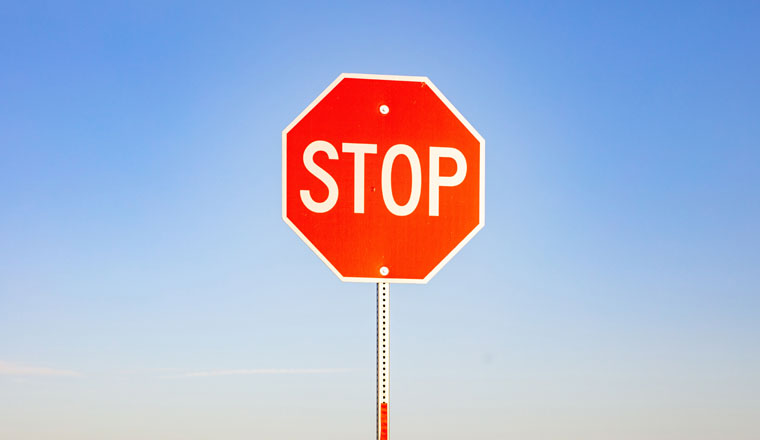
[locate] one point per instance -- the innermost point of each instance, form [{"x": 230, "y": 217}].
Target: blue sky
[{"x": 613, "y": 292}]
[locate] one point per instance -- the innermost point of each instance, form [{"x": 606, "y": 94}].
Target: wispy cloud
[
  {"x": 263, "y": 371},
  {"x": 11, "y": 369}
]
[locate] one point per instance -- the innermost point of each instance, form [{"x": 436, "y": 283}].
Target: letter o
[{"x": 414, "y": 197}]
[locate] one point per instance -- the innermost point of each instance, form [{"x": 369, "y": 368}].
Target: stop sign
[{"x": 383, "y": 178}]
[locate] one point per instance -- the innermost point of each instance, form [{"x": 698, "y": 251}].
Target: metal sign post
[{"x": 383, "y": 358}]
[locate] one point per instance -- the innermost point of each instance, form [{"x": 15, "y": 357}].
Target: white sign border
[{"x": 482, "y": 216}]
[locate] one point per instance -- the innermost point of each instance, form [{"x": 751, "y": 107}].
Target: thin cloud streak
[
  {"x": 264, "y": 371},
  {"x": 11, "y": 369}
]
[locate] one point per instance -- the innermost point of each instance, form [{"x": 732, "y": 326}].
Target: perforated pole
[{"x": 383, "y": 358}]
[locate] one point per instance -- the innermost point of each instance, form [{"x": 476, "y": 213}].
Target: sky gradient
[{"x": 150, "y": 289}]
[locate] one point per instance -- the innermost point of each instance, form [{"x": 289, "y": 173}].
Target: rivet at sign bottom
[
  {"x": 384, "y": 271},
  {"x": 384, "y": 109}
]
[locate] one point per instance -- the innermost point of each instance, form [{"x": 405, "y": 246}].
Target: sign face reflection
[{"x": 383, "y": 178}]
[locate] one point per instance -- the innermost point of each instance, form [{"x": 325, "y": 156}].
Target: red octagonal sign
[{"x": 383, "y": 178}]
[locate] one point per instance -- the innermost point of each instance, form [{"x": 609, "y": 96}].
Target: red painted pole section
[{"x": 384, "y": 421}]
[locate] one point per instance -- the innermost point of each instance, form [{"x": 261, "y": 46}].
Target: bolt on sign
[{"x": 383, "y": 178}]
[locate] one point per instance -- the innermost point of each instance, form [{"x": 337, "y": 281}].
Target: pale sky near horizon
[{"x": 150, "y": 290}]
